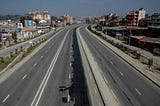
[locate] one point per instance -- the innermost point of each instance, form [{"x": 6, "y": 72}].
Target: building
[
  {"x": 69, "y": 19},
  {"x": 148, "y": 43},
  {"x": 102, "y": 18},
  {"x": 133, "y": 17},
  {"x": 40, "y": 15},
  {"x": 144, "y": 22},
  {"x": 7, "y": 28},
  {"x": 155, "y": 20}
]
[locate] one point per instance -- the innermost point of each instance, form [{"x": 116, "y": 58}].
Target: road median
[{"x": 108, "y": 98}]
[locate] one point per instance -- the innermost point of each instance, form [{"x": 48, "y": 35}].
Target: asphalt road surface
[
  {"x": 52, "y": 77},
  {"x": 130, "y": 86}
]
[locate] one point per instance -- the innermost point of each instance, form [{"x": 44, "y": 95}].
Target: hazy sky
[{"x": 78, "y": 7}]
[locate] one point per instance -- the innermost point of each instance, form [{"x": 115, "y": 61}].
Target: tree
[
  {"x": 14, "y": 36},
  {"x": 22, "y": 20}
]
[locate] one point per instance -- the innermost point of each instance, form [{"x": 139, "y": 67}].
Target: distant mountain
[{"x": 11, "y": 17}]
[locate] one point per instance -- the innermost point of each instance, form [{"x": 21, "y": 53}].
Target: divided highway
[
  {"x": 57, "y": 76},
  {"x": 131, "y": 87},
  {"x": 52, "y": 77}
]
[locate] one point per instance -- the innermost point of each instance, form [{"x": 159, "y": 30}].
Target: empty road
[
  {"x": 130, "y": 86},
  {"x": 52, "y": 77}
]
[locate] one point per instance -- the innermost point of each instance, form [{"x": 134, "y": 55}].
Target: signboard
[
  {"x": 20, "y": 25},
  {"x": 29, "y": 23},
  {"x": 29, "y": 28}
]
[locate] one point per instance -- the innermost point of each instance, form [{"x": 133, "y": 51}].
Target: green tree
[
  {"x": 22, "y": 20},
  {"x": 14, "y": 36}
]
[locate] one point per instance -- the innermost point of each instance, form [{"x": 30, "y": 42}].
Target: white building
[
  {"x": 141, "y": 14},
  {"x": 40, "y": 15},
  {"x": 69, "y": 19}
]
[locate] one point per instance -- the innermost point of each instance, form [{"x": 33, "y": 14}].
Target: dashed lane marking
[
  {"x": 138, "y": 91},
  {"x": 70, "y": 64},
  {"x": 111, "y": 62},
  {"x": 121, "y": 74},
  {"x": 6, "y": 98},
  {"x": 24, "y": 76},
  {"x": 35, "y": 64},
  {"x": 69, "y": 76}
]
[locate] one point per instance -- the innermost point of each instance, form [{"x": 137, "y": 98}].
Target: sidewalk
[{"x": 151, "y": 74}]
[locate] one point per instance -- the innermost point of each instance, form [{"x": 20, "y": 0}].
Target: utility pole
[{"x": 130, "y": 37}]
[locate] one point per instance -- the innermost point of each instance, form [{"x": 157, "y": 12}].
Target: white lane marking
[
  {"x": 111, "y": 62},
  {"x": 6, "y": 98},
  {"x": 24, "y": 76},
  {"x": 69, "y": 76},
  {"x": 70, "y": 64},
  {"x": 121, "y": 73},
  {"x": 35, "y": 64},
  {"x": 48, "y": 74},
  {"x": 138, "y": 91},
  {"x": 70, "y": 56},
  {"x": 68, "y": 98},
  {"x": 41, "y": 56}
]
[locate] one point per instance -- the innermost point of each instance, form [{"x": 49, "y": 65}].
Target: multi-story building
[
  {"x": 40, "y": 15},
  {"x": 69, "y": 19},
  {"x": 155, "y": 20},
  {"x": 144, "y": 22},
  {"x": 133, "y": 17}
]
